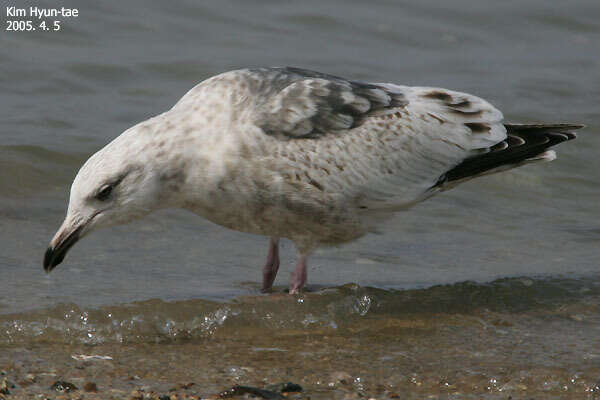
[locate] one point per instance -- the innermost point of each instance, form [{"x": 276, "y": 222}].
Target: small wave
[
  {"x": 31, "y": 169},
  {"x": 343, "y": 310}
]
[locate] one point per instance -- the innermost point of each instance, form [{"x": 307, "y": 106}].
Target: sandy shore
[{"x": 451, "y": 356}]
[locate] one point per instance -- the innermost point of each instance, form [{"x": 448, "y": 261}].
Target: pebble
[
  {"x": 341, "y": 377},
  {"x": 90, "y": 387},
  {"x": 180, "y": 386},
  {"x": 242, "y": 390},
  {"x": 4, "y": 387},
  {"x": 271, "y": 392},
  {"x": 63, "y": 386},
  {"x": 288, "y": 387}
]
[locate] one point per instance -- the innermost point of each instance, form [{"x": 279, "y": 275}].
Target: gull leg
[
  {"x": 271, "y": 266},
  {"x": 298, "y": 278}
]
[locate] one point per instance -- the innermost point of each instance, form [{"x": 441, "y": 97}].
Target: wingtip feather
[{"x": 547, "y": 156}]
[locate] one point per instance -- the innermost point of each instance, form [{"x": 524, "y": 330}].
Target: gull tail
[{"x": 524, "y": 144}]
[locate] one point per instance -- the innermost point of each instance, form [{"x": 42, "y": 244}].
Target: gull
[{"x": 292, "y": 153}]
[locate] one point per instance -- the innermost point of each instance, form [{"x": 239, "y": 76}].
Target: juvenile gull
[{"x": 293, "y": 153}]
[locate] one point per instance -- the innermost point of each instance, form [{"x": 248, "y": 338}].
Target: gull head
[{"x": 116, "y": 185}]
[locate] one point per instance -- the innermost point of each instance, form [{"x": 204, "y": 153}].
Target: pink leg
[
  {"x": 298, "y": 278},
  {"x": 271, "y": 266}
]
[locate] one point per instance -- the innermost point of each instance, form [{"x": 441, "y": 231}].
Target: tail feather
[{"x": 525, "y": 143}]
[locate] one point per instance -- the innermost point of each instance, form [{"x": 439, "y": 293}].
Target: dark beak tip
[
  {"x": 52, "y": 258},
  {"x": 48, "y": 259},
  {"x": 56, "y": 255}
]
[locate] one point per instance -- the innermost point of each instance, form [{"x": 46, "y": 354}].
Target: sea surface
[{"x": 499, "y": 277}]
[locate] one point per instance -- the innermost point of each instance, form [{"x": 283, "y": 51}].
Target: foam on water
[{"x": 339, "y": 311}]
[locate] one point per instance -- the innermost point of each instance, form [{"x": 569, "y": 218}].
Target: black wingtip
[
  {"x": 523, "y": 143},
  {"x": 543, "y": 127}
]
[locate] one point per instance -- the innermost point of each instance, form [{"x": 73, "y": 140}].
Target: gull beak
[{"x": 64, "y": 239}]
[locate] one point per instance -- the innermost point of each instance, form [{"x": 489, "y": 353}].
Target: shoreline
[{"x": 454, "y": 356}]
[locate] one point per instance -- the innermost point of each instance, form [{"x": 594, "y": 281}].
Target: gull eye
[{"x": 104, "y": 192}]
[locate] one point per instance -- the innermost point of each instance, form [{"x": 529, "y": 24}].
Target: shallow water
[
  {"x": 66, "y": 94},
  {"x": 513, "y": 337}
]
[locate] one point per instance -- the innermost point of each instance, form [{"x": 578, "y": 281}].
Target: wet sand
[{"x": 470, "y": 343}]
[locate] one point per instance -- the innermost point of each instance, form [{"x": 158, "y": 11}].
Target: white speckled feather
[
  {"x": 293, "y": 153},
  {"x": 307, "y": 149}
]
